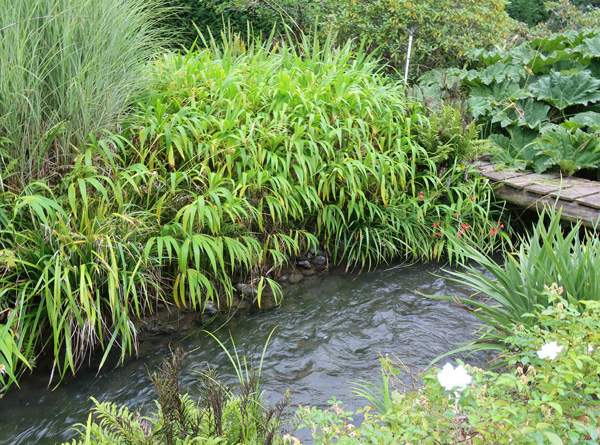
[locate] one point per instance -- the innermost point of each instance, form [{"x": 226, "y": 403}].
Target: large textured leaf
[
  {"x": 543, "y": 62},
  {"x": 590, "y": 47},
  {"x": 589, "y": 119},
  {"x": 501, "y": 71},
  {"x": 565, "y": 90},
  {"x": 518, "y": 147},
  {"x": 525, "y": 112},
  {"x": 488, "y": 57},
  {"x": 571, "y": 150},
  {"x": 483, "y": 98}
]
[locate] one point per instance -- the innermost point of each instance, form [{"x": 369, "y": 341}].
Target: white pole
[{"x": 408, "y": 56}]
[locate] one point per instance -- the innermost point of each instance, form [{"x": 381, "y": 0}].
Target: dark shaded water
[{"x": 330, "y": 331}]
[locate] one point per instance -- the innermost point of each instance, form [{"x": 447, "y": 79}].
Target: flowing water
[{"x": 329, "y": 332}]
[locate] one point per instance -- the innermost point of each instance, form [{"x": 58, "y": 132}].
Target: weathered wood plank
[
  {"x": 578, "y": 198},
  {"x": 592, "y": 201},
  {"x": 571, "y": 211}
]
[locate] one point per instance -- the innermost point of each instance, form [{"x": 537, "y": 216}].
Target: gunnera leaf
[
  {"x": 501, "y": 71},
  {"x": 589, "y": 119},
  {"x": 487, "y": 57},
  {"x": 524, "y": 112},
  {"x": 590, "y": 47},
  {"x": 518, "y": 147},
  {"x": 570, "y": 150},
  {"x": 543, "y": 62},
  {"x": 563, "y": 91},
  {"x": 483, "y": 99}
]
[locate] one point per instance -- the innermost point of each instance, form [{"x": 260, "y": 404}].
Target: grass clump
[
  {"x": 515, "y": 287},
  {"x": 69, "y": 68}
]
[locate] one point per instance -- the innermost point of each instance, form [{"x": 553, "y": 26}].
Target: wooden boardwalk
[{"x": 579, "y": 198}]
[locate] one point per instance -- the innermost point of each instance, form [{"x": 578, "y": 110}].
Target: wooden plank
[
  {"x": 501, "y": 176},
  {"x": 520, "y": 182},
  {"x": 571, "y": 211},
  {"x": 545, "y": 189},
  {"x": 592, "y": 201},
  {"x": 578, "y": 190}
]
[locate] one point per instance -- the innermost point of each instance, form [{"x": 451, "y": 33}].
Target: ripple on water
[{"x": 329, "y": 333}]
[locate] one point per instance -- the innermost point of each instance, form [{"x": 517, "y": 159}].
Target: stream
[{"x": 329, "y": 331}]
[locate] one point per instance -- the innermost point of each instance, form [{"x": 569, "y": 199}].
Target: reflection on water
[{"x": 329, "y": 332}]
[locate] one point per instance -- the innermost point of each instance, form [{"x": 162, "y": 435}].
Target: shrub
[
  {"x": 443, "y": 30},
  {"x": 236, "y": 159},
  {"x": 69, "y": 68},
  {"x": 212, "y": 16},
  {"x": 531, "y": 12},
  {"x": 565, "y": 15}
]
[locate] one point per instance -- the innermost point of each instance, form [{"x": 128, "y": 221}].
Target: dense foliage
[
  {"x": 443, "y": 30},
  {"x": 238, "y": 158},
  {"x": 212, "y": 16},
  {"x": 515, "y": 288},
  {"x": 221, "y": 415},
  {"x": 531, "y": 12},
  {"x": 539, "y": 101}
]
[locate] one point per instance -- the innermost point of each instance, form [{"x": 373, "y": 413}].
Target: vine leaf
[{"x": 565, "y": 90}]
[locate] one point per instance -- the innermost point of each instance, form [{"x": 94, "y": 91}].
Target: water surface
[{"x": 329, "y": 332}]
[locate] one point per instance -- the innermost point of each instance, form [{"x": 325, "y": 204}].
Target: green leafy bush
[
  {"x": 539, "y": 100},
  {"x": 531, "y": 12},
  {"x": 565, "y": 15},
  {"x": 536, "y": 400},
  {"x": 443, "y": 30},
  {"x": 237, "y": 159},
  {"x": 213, "y": 16}
]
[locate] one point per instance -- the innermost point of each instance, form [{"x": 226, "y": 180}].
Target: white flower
[
  {"x": 550, "y": 350},
  {"x": 454, "y": 378},
  {"x": 590, "y": 349}
]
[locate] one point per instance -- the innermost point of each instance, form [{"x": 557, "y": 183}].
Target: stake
[{"x": 408, "y": 55}]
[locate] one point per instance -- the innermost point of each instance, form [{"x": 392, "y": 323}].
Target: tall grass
[{"x": 67, "y": 68}]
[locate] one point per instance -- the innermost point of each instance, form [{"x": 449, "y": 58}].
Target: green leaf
[
  {"x": 589, "y": 119},
  {"x": 572, "y": 151},
  {"x": 553, "y": 438},
  {"x": 518, "y": 147},
  {"x": 590, "y": 47},
  {"x": 533, "y": 114},
  {"x": 566, "y": 90},
  {"x": 483, "y": 98},
  {"x": 543, "y": 61},
  {"x": 528, "y": 112}
]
